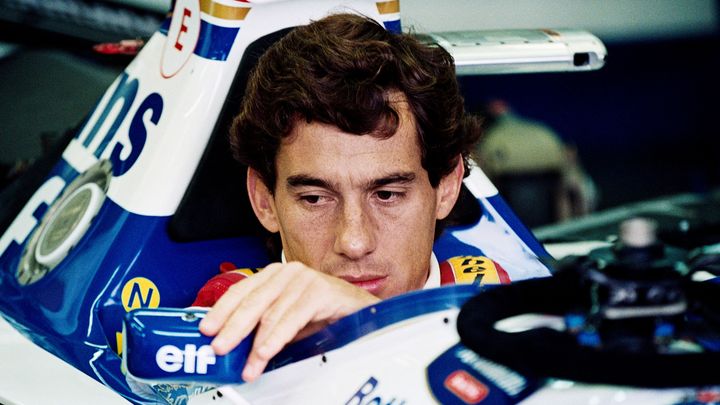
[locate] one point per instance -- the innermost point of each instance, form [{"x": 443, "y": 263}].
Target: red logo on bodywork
[
  {"x": 466, "y": 387},
  {"x": 708, "y": 396}
]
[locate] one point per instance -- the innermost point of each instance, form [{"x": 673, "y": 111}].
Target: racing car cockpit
[{"x": 145, "y": 204}]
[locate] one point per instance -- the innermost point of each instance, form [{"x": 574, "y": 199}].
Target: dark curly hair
[{"x": 341, "y": 70}]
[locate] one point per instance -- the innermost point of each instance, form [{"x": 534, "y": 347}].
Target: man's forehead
[
  {"x": 324, "y": 154},
  {"x": 309, "y": 141}
]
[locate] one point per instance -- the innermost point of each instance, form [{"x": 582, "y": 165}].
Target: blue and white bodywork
[{"x": 96, "y": 239}]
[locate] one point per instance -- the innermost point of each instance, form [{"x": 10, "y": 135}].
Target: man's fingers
[
  {"x": 285, "y": 320},
  {"x": 283, "y": 302},
  {"x": 313, "y": 301},
  {"x": 223, "y": 308},
  {"x": 234, "y": 317},
  {"x": 286, "y": 305},
  {"x": 226, "y": 305}
]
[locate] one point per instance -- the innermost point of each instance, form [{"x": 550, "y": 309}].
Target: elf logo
[{"x": 192, "y": 360}]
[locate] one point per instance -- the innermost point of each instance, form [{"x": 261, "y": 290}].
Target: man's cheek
[
  {"x": 412, "y": 222},
  {"x": 299, "y": 221},
  {"x": 311, "y": 245}
]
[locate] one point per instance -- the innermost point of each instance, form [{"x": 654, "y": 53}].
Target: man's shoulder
[
  {"x": 472, "y": 269},
  {"x": 218, "y": 285}
]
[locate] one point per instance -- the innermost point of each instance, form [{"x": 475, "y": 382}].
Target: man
[
  {"x": 526, "y": 158},
  {"x": 357, "y": 144}
]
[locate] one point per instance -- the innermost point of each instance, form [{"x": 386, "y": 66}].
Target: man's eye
[
  {"x": 386, "y": 195},
  {"x": 311, "y": 199}
]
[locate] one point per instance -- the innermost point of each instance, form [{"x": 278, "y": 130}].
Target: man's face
[{"x": 359, "y": 208}]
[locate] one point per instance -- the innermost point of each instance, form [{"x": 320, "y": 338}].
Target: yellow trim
[
  {"x": 388, "y": 7},
  {"x": 222, "y": 11},
  {"x": 119, "y": 341}
]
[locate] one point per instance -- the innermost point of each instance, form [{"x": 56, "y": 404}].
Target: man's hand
[{"x": 284, "y": 302}]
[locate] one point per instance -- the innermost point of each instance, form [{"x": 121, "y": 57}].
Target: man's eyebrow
[
  {"x": 396, "y": 178},
  {"x": 303, "y": 180}
]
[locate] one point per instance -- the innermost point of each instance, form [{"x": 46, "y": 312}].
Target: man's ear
[
  {"x": 262, "y": 201},
  {"x": 449, "y": 189}
]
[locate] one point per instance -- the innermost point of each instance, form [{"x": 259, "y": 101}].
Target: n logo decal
[{"x": 140, "y": 293}]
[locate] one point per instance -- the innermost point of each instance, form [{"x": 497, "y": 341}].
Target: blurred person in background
[{"x": 538, "y": 174}]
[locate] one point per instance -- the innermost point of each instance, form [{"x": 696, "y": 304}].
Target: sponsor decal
[
  {"x": 140, "y": 292},
  {"x": 182, "y": 37},
  {"x": 191, "y": 360},
  {"x": 473, "y": 269},
  {"x": 466, "y": 387},
  {"x": 708, "y": 395},
  {"x": 506, "y": 379},
  {"x": 99, "y": 138},
  {"x": 366, "y": 395},
  {"x": 207, "y": 28},
  {"x": 460, "y": 376},
  {"x": 101, "y": 131}
]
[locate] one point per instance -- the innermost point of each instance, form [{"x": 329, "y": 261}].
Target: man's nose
[{"x": 355, "y": 236}]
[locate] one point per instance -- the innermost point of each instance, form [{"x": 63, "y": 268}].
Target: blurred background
[{"x": 641, "y": 127}]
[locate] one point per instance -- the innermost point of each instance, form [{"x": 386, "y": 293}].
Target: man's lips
[{"x": 372, "y": 284}]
